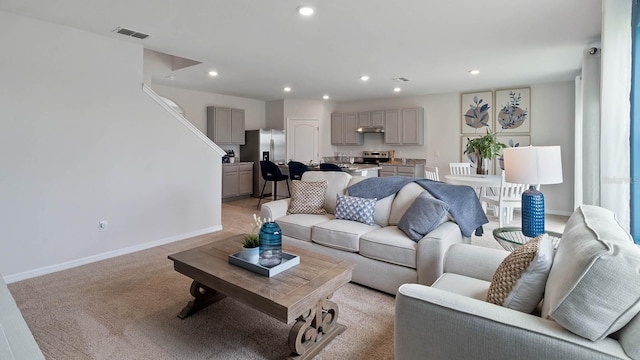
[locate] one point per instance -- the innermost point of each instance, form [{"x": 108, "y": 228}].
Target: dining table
[{"x": 477, "y": 181}]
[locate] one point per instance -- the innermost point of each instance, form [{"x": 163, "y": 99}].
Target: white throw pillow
[
  {"x": 519, "y": 281},
  {"x": 593, "y": 288}
]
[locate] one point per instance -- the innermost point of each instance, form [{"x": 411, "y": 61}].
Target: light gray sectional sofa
[
  {"x": 385, "y": 257},
  {"x": 589, "y": 310},
  {"x": 16, "y": 341}
]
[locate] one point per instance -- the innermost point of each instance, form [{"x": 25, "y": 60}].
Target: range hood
[{"x": 370, "y": 129}]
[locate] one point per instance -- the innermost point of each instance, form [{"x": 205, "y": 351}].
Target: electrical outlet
[{"x": 103, "y": 225}]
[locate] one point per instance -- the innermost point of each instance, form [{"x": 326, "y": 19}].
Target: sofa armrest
[
  {"x": 473, "y": 261},
  {"x": 435, "y": 324},
  {"x": 431, "y": 251},
  {"x": 274, "y": 209}
]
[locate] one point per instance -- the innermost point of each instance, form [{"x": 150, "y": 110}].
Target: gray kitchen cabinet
[
  {"x": 392, "y": 127},
  {"x": 237, "y": 179},
  {"x": 229, "y": 180},
  {"x": 387, "y": 170},
  {"x": 412, "y": 126},
  {"x": 410, "y": 170},
  {"x": 343, "y": 129},
  {"x": 404, "y": 126},
  {"x": 364, "y": 118},
  {"x": 245, "y": 176},
  {"x": 377, "y": 118},
  {"x": 225, "y": 126},
  {"x": 371, "y": 118}
]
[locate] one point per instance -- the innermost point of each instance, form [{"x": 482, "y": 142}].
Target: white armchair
[{"x": 583, "y": 315}]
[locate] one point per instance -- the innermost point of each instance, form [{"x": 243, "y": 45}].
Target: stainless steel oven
[{"x": 376, "y": 157}]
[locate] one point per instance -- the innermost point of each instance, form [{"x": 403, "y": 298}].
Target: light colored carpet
[{"x": 126, "y": 307}]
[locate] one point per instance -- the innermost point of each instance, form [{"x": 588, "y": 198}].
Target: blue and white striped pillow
[{"x": 355, "y": 208}]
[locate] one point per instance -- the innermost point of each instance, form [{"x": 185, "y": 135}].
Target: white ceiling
[{"x": 260, "y": 46}]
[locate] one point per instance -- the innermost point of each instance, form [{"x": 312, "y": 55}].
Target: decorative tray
[{"x": 288, "y": 261}]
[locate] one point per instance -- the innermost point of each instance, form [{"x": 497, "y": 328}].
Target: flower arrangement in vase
[{"x": 251, "y": 243}]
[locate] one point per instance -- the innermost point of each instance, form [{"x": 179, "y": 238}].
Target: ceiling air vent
[
  {"x": 403, "y": 79},
  {"x": 132, "y": 33}
]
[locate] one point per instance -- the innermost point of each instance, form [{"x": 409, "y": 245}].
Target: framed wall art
[
  {"x": 476, "y": 112},
  {"x": 510, "y": 141},
  {"x": 513, "y": 110}
]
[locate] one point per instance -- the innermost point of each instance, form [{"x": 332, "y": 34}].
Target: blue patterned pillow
[{"x": 355, "y": 208}]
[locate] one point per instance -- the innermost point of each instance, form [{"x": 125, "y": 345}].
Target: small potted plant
[
  {"x": 484, "y": 147},
  {"x": 251, "y": 242}
]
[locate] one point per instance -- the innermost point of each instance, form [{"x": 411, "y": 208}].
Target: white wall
[
  {"x": 80, "y": 142},
  {"x": 552, "y": 115}
]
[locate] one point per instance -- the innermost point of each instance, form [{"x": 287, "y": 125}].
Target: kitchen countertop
[
  {"x": 349, "y": 168},
  {"x": 237, "y": 163},
  {"x": 409, "y": 162}
]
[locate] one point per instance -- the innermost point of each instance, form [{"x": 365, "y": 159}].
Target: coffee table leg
[
  {"x": 203, "y": 297},
  {"x": 315, "y": 329}
]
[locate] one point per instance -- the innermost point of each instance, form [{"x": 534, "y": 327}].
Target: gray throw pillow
[{"x": 425, "y": 214}]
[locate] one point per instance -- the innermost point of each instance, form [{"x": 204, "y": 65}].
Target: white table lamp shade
[{"x": 533, "y": 165}]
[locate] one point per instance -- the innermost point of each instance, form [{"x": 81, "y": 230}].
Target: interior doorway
[{"x": 303, "y": 136}]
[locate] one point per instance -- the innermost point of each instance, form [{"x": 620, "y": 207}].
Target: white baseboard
[
  {"x": 107, "y": 255},
  {"x": 559, "y": 212}
]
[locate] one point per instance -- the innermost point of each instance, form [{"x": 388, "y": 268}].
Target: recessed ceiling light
[
  {"x": 305, "y": 10},
  {"x": 213, "y": 73},
  {"x": 326, "y": 97},
  {"x": 474, "y": 72},
  {"x": 396, "y": 89},
  {"x": 287, "y": 89},
  {"x": 364, "y": 77}
]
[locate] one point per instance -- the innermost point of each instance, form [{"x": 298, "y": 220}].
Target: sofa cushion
[
  {"x": 336, "y": 184},
  {"x": 299, "y": 226},
  {"x": 628, "y": 338},
  {"x": 463, "y": 285},
  {"x": 307, "y": 197},
  {"x": 425, "y": 214},
  {"x": 404, "y": 198},
  {"x": 592, "y": 287},
  {"x": 355, "y": 208},
  {"x": 519, "y": 281},
  {"x": 340, "y": 234},
  {"x": 389, "y": 244}
]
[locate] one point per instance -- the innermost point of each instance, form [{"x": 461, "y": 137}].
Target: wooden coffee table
[{"x": 299, "y": 296}]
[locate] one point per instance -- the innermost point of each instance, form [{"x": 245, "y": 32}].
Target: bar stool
[
  {"x": 296, "y": 169},
  {"x": 271, "y": 172},
  {"x": 329, "y": 167}
]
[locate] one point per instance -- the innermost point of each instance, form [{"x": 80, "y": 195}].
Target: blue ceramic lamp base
[{"x": 532, "y": 212}]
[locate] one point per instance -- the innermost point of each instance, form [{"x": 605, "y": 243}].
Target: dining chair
[
  {"x": 509, "y": 197},
  {"x": 329, "y": 167},
  {"x": 271, "y": 172},
  {"x": 460, "y": 168},
  {"x": 431, "y": 173},
  {"x": 296, "y": 169}
]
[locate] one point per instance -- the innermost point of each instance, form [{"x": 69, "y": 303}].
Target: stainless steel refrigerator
[{"x": 263, "y": 144}]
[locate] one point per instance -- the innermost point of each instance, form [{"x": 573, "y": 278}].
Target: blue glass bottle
[{"x": 270, "y": 244}]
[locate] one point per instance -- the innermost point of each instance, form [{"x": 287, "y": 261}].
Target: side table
[{"x": 511, "y": 238}]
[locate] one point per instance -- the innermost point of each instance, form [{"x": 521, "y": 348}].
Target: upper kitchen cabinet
[
  {"x": 371, "y": 118},
  {"x": 225, "y": 125},
  {"x": 404, "y": 126},
  {"x": 343, "y": 129}
]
